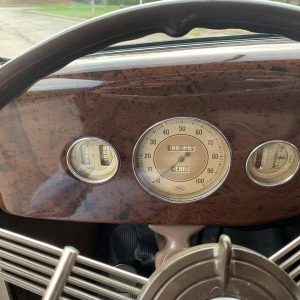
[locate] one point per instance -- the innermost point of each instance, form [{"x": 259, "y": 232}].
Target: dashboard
[{"x": 199, "y": 135}]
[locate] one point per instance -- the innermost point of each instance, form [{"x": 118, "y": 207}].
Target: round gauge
[
  {"x": 92, "y": 160},
  {"x": 181, "y": 159},
  {"x": 273, "y": 163}
]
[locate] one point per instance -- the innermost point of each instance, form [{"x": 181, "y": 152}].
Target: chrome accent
[
  {"x": 224, "y": 298},
  {"x": 84, "y": 179},
  {"x": 182, "y": 44},
  {"x": 224, "y": 255},
  {"x": 219, "y": 271},
  {"x": 62, "y": 272},
  {"x": 288, "y": 259},
  {"x": 34, "y": 265},
  {"x": 289, "y": 178},
  {"x": 30, "y": 264}
]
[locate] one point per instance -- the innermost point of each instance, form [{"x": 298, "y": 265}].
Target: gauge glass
[
  {"x": 181, "y": 159},
  {"x": 273, "y": 163},
  {"x": 92, "y": 160}
]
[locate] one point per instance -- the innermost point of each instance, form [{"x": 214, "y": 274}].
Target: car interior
[{"x": 154, "y": 170}]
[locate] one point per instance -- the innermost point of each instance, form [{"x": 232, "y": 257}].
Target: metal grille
[
  {"x": 288, "y": 259},
  {"x": 30, "y": 264}
]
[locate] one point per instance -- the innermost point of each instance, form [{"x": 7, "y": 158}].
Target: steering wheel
[{"x": 174, "y": 18}]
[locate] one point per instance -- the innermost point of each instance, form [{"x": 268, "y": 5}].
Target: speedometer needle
[{"x": 180, "y": 159}]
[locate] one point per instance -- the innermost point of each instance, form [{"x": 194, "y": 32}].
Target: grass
[{"x": 81, "y": 11}]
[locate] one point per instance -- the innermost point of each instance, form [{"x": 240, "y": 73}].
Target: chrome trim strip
[{"x": 62, "y": 271}]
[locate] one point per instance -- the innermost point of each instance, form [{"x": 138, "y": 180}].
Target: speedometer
[{"x": 181, "y": 159}]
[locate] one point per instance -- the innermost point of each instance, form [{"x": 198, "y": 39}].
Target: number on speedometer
[{"x": 181, "y": 159}]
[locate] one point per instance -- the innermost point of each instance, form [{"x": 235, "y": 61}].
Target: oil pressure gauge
[
  {"x": 273, "y": 163},
  {"x": 92, "y": 160}
]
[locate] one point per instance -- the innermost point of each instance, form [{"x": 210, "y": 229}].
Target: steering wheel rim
[{"x": 174, "y": 18}]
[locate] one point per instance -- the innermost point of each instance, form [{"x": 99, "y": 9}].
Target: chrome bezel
[
  {"x": 176, "y": 200},
  {"x": 84, "y": 179},
  {"x": 287, "y": 179}
]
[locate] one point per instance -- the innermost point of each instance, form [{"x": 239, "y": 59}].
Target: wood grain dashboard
[{"x": 250, "y": 92}]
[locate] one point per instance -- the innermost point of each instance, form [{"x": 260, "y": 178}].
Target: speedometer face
[{"x": 181, "y": 159}]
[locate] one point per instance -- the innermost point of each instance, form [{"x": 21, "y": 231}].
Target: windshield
[{"x": 24, "y": 23}]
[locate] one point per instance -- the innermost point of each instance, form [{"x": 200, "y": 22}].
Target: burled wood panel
[{"x": 250, "y": 101}]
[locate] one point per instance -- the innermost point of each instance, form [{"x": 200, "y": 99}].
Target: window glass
[{"x": 24, "y": 23}]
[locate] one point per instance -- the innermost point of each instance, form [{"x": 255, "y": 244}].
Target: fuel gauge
[
  {"x": 92, "y": 160},
  {"x": 273, "y": 163}
]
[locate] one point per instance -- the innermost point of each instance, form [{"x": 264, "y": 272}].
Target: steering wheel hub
[{"x": 219, "y": 271}]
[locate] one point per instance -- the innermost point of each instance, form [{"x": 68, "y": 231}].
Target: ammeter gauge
[
  {"x": 92, "y": 160},
  {"x": 273, "y": 163}
]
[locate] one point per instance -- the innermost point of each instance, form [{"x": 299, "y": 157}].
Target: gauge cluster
[
  {"x": 182, "y": 160},
  {"x": 158, "y": 142}
]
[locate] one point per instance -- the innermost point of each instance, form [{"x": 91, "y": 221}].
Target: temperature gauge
[
  {"x": 273, "y": 163},
  {"x": 92, "y": 160}
]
